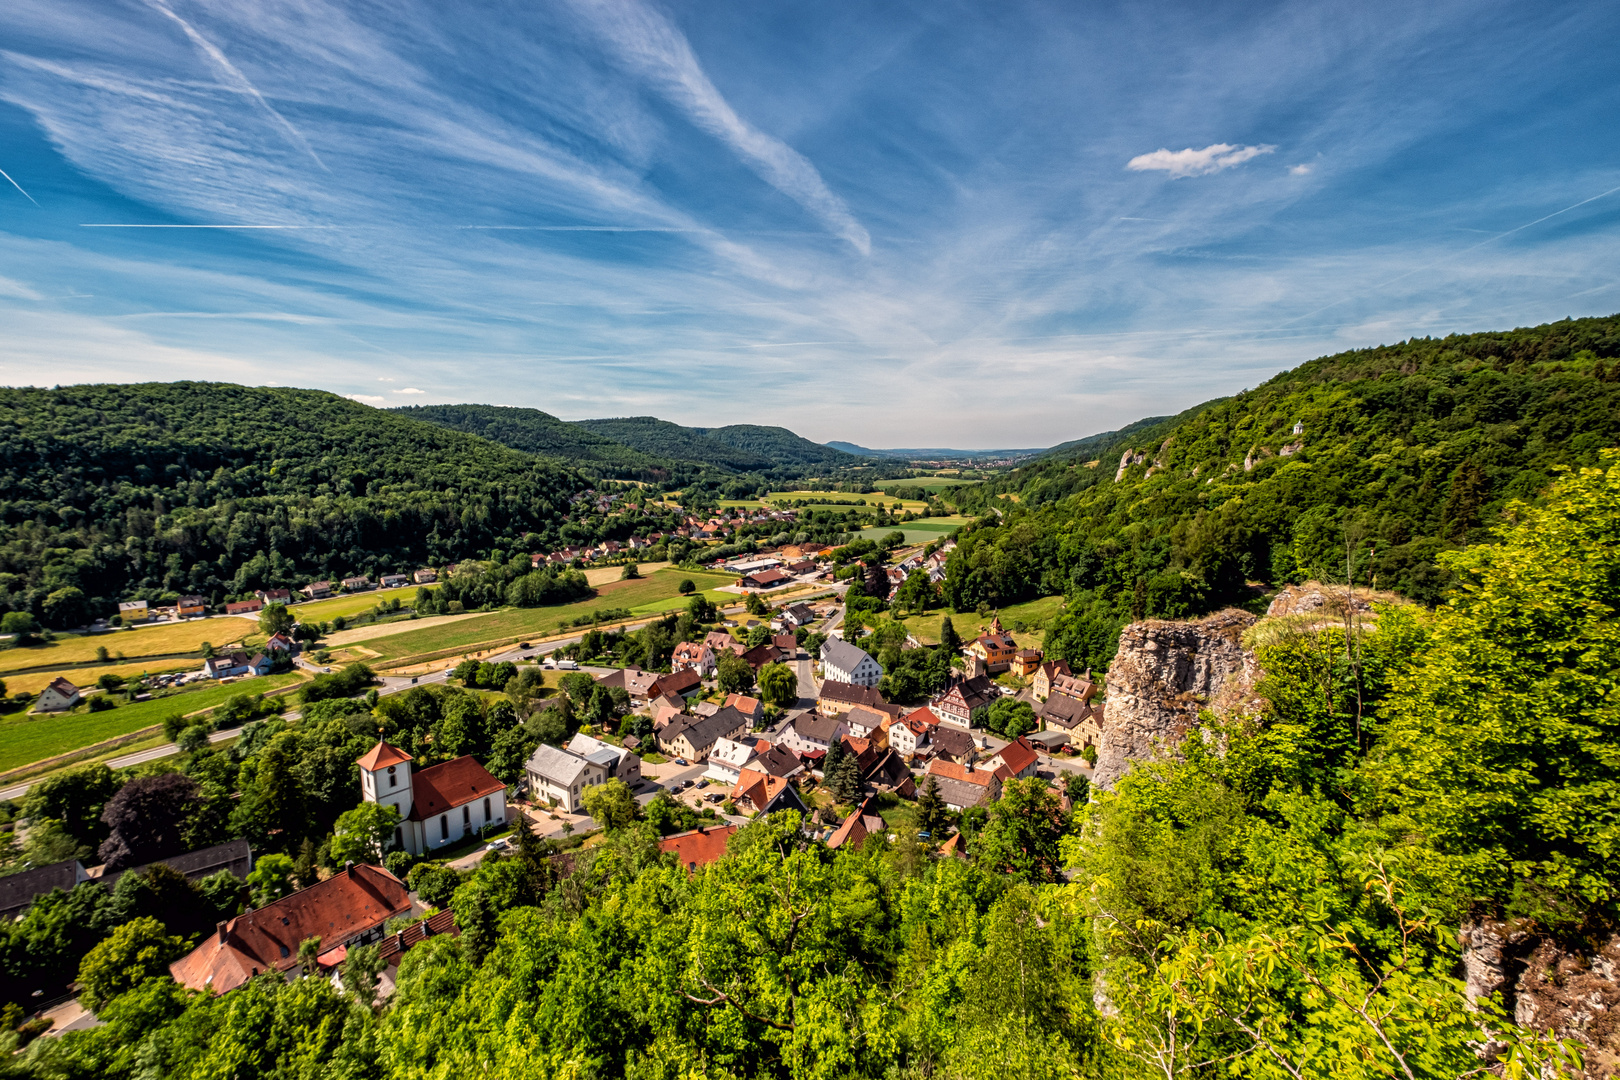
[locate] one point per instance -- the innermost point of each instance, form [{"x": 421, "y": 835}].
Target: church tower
[{"x": 385, "y": 778}]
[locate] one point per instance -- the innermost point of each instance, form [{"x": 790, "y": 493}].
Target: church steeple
[{"x": 385, "y": 777}]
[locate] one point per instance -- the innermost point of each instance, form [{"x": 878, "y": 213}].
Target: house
[
  {"x": 760, "y": 655},
  {"x": 133, "y": 611},
  {"x": 438, "y": 805},
  {"x": 227, "y": 665},
  {"x": 693, "y": 656},
  {"x": 1018, "y": 757},
  {"x": 995, "y": 647},
  {"x": 395, "y": 581},
  {"x": 1081, "y": 723},
  {"x": 965, "y": 785},
  {"x": 777, "y": 760},
  {"x": 764, "y": 579},
  {"x": 950, "y": 744},
  {"x": 787, "y": 646},
  {"x": 59, "y": 696},
  {"x": 797, "y": 615},
  {"x": 392, "y": 949},
  {"x": 315, "y": 590},
  {"x": 244, "y": 607},
  {"x": 275, "y": 596},
  {"x": 843, "y": 662},
  {"x": 664, "y": 714},
  {"x": 1079, "y": 687},
  {"x": 280, "y": 643},
  {"x": 1041, "y": 683},
  {"x": 425, "y": 576},
  {"x": 190, "y": 605},
  {"x": 349, "y": 908},
  {"x": 1025, "y": 662},
  {"x": 728, "y": 759},
  {"x": 619, "y": 763},
  {"x": 910, "y": 734},
  {"x": 358, "y": 583},
  {"x": 719, "y": 639},
  {"x": 693, "y": 737},
  {"x": 635, "y": 682},
  {"x": 260, "y": 664},
  {"x": 561, "y": 777},
  {"x": 811, "y": 732},
  {"x": 965, "y": 704},
  {"x": 760, "y": 793},
  {"x": 864, "y": 721},
  {"x": 677, "y": 684},
  {"x": 837, "y": 697},
  {"x": 860, "y": 824},
  {"x": 888, "y": 772},
  {"x": 750, "y": 707},
  {"x": 19, "y": 891},
  {"x": 700, "y": 847}
]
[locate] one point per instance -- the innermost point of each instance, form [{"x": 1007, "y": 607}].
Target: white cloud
[
  {"x": 385, "y": 378},
  {"x": 1190, "y": 162},
  {"x": 369, "y": 399},
  {"x": 1300, "y": 170},
  {"x": 410, "y": 390},
  {"x": 650, "y": 45}
]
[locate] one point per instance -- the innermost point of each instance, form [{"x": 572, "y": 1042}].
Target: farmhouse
[
  {"x": 59, "y": 696},
  {"x": 1018, "y": 757},
  {"x": 244, "y": 607}
]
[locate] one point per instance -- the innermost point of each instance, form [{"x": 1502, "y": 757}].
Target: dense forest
[
  {"x": 110, "y": 492},
  {"x": 1281, "y": 901},
  {"x": 1404, "y": 452},
  {"x": 540, "y": 433},
  {"x": 742, "y": 448}
]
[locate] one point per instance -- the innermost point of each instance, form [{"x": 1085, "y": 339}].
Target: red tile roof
[
  {"x": 1018, "y": 755},
  {"x": 700, "y": 847},
  {"x": 337, "y": 910},
  {"x": 447, "y": 786},
  {"x": 381, "y": 756}
]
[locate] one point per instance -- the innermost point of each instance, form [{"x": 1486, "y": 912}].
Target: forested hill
[
  {"x": 737, "y": 448},
  {"x": 778, "y": 445},
  {"x": 536, "y": 432},
  {"x": 112, "y": 491},
  {"x": 1407, "y": 450}
]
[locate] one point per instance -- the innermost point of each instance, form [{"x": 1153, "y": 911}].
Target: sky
[{"x": 992, "y": 225}]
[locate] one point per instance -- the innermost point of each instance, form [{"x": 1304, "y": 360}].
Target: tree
[
  {"x": 701, "y": 609},
  {"x": 1011, "y": 717},
  {"x": 133, "y": 953},
  {"x": 309, "y": 955},
  {"x": 275, "y": 619},
  {"x": 110, "y": 681},
  {"x": 686, "y": 587},
  {"x": 66, "y": 607},
  {"x": 932, "y": 813},
  {"x": 1022, "y": 833},
  {"x": 631, "y": 572},
  {"x": 949, "y": 640},
  {"x": 779, "y": 685},
  {"x": 877, "y": 578},
  {"x": 271, "y": 878},
  {"x": 74, "y": 798},
  {"x": 756, "y": 605},
  {"x": 21, "y": 625},
  {"x": 434, "y": 882},
  {"x": 145, "y": 820},
  {"x": 612, "y": 804},
  {"x": 364, "y": 833},
  {"x": 361, "y": 966},
  {"x": 735, "y": 673}
]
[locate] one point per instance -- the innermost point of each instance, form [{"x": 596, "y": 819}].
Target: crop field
[
  {"x": 25, "y": 738},
  {"x": 658, "y": 591},
  {"x": 920, "y": 532},
  {"x": 598, "y": 576},
  {"x": 1035, "y": 615},
  {"x": 349, "y": 604},
  {"x": 32, "y": 682},
  {"x": 936, "y": 484},
  {"x": 133, "y": 644}
]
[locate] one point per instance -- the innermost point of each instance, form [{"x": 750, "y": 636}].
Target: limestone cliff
[{"x": 1162, "y": 675}]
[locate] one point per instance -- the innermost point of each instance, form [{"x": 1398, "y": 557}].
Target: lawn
[
  {"x": 939, "y": 484},
  {"x": 920, "y": 532},
  {"x": 653, "y": 592},
  {"x": 1035, "y": 615},
  {"x": 350, "y": 604},
  {"x": 32, "y": 682},
  {"x": 25, "y": 738},
  {"x": 186, "y": 637}
]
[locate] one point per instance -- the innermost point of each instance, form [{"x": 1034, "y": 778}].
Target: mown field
[
  {"x": 25, "y": 738},
  {"x": 920, "y": 532},
  {"x": 133, "y": 644},
  {"x": 349, "y": 604},
  {"x": 936, "y": 484},
  {"x": 1035, "y": 614},
  {"x": 656, "y": 592},
  {"x": 32, "y": 682}
]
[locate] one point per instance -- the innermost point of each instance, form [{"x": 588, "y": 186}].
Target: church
[{"x": 438, "y": 805}]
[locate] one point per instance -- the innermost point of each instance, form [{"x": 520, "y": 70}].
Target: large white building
[
  {"x": 438, "y": 805},
  {"x": 846, "y": 663}
]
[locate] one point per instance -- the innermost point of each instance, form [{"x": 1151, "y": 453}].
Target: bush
[
  {"x": 341, "y": 684},
  {"x": 101, "y": 703}
]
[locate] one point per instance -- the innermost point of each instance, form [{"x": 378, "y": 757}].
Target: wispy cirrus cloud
[
  {"x": 1190, "y": 162},
  {"x": 649, "y": 45}
]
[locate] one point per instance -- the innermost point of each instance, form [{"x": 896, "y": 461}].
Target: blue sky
[{"x": 918, "y": 224}]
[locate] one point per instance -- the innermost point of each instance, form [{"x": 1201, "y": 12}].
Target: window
[
  {"x": 487, "y": 816},
  {"x": 393, "y": 781},
  {"x": 399, "y": 836},
  {"x": 444, "y": 826},
  {"x": 466, "y": 815}
]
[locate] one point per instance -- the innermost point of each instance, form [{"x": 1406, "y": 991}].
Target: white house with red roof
[{"x": 438, "y": 805}]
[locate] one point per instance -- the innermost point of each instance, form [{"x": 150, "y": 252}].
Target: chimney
[
  {"x": 967, "y": 766},
  {"x": 221, "y": 929}
]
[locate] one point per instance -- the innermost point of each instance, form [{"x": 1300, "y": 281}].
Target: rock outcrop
[
  {"x": 1162, "y": 675},
  {"x": 1314, "y": 599}
]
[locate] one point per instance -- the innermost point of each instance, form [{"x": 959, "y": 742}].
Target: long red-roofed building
[
  {"x": 348, "y": 908},
  {"x": 438, "y": 805}
]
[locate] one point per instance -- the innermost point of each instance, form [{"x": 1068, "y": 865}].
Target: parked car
[
  {"x": 682, "y": 761},
  {"x": 702, "y": 783},
  {"x": 715, "y": 796}
]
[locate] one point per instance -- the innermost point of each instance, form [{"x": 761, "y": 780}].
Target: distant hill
[
  {"x": 661, "y": 438},
  {"x": 537, "y": 432},
  {"x": 1404, "y": 451},
  {"x": 779, "y": 445},
  {"x": 931, "y": 453},
  {"x": 113, "y": 490}
]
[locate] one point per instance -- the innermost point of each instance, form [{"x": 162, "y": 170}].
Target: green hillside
[
  {"x": 1408, "y": 450},
  {"x": 536, "y": 432},
  {"x": 778, "y": 445},
  {"x": 111, "y": 491},
  {"x": 663, "y": 439}
]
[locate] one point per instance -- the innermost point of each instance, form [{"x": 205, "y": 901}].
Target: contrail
[
  {"x": 235, "y": 76},
  {"x": 18, "y": 186},
  {"x": 115, "y": 225}
]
